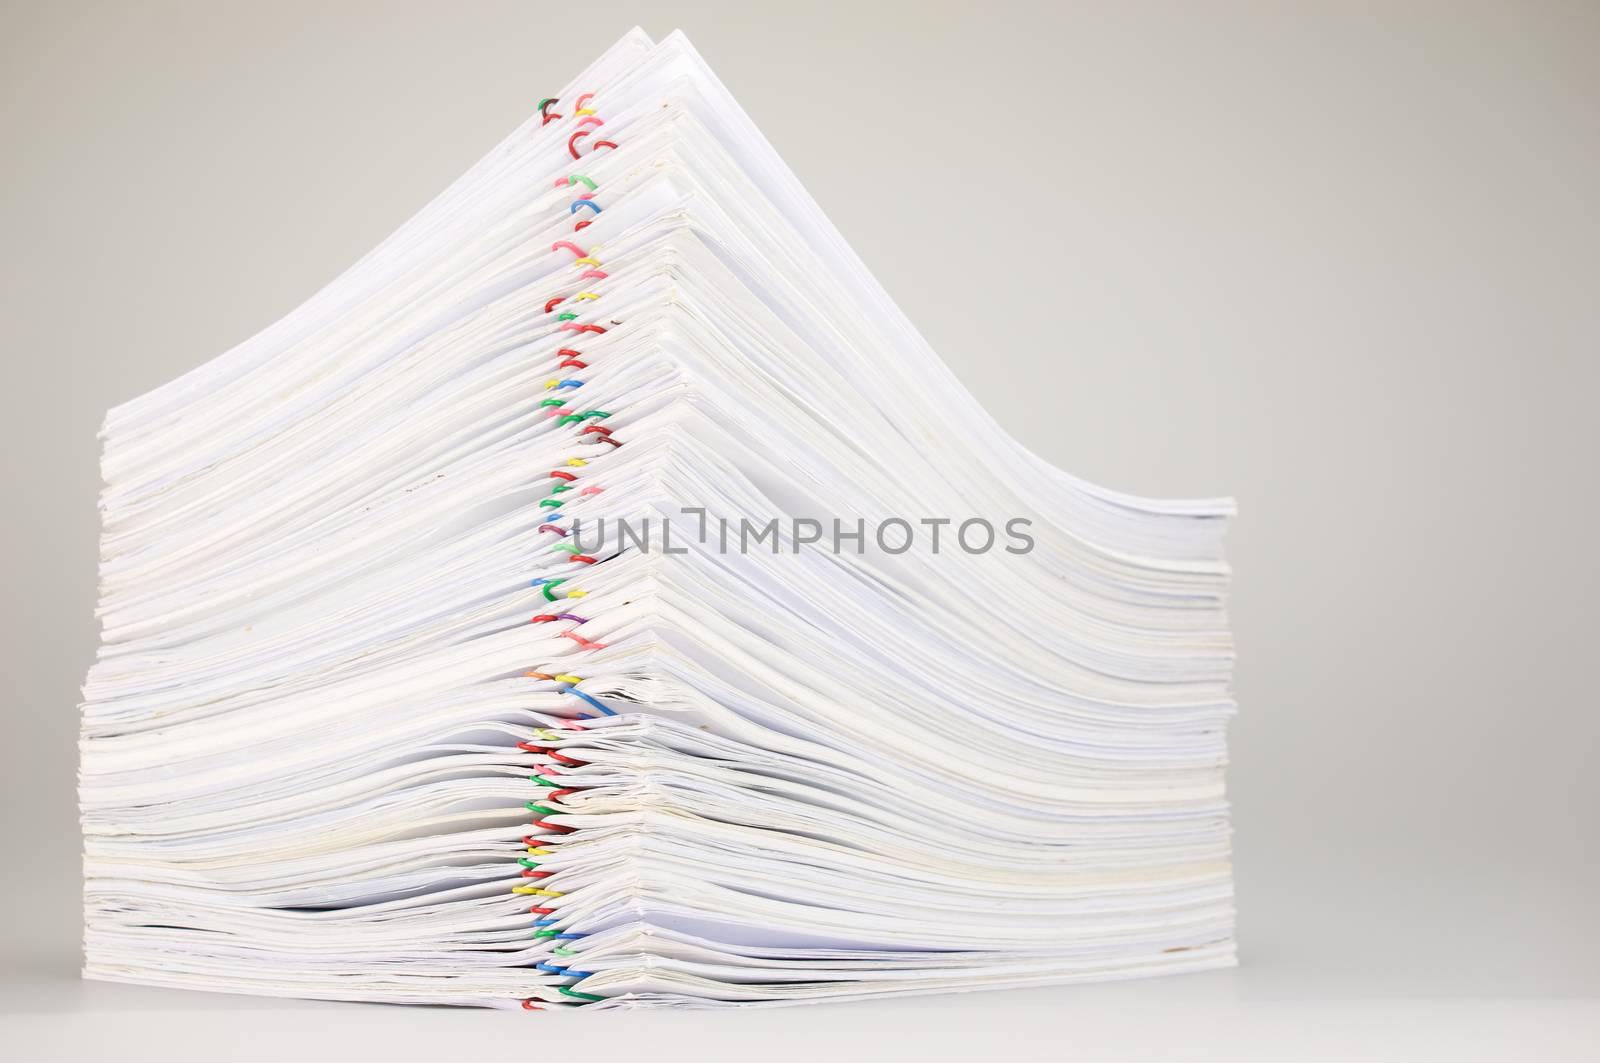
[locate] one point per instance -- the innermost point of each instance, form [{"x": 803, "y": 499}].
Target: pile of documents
[{"x": 600, "y": 595}]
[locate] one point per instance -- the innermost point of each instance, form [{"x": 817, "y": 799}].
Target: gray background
[{"x": 1338, "y": 260}]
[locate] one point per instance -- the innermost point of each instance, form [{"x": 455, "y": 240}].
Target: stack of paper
[{"x": 600, "y": 594}]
